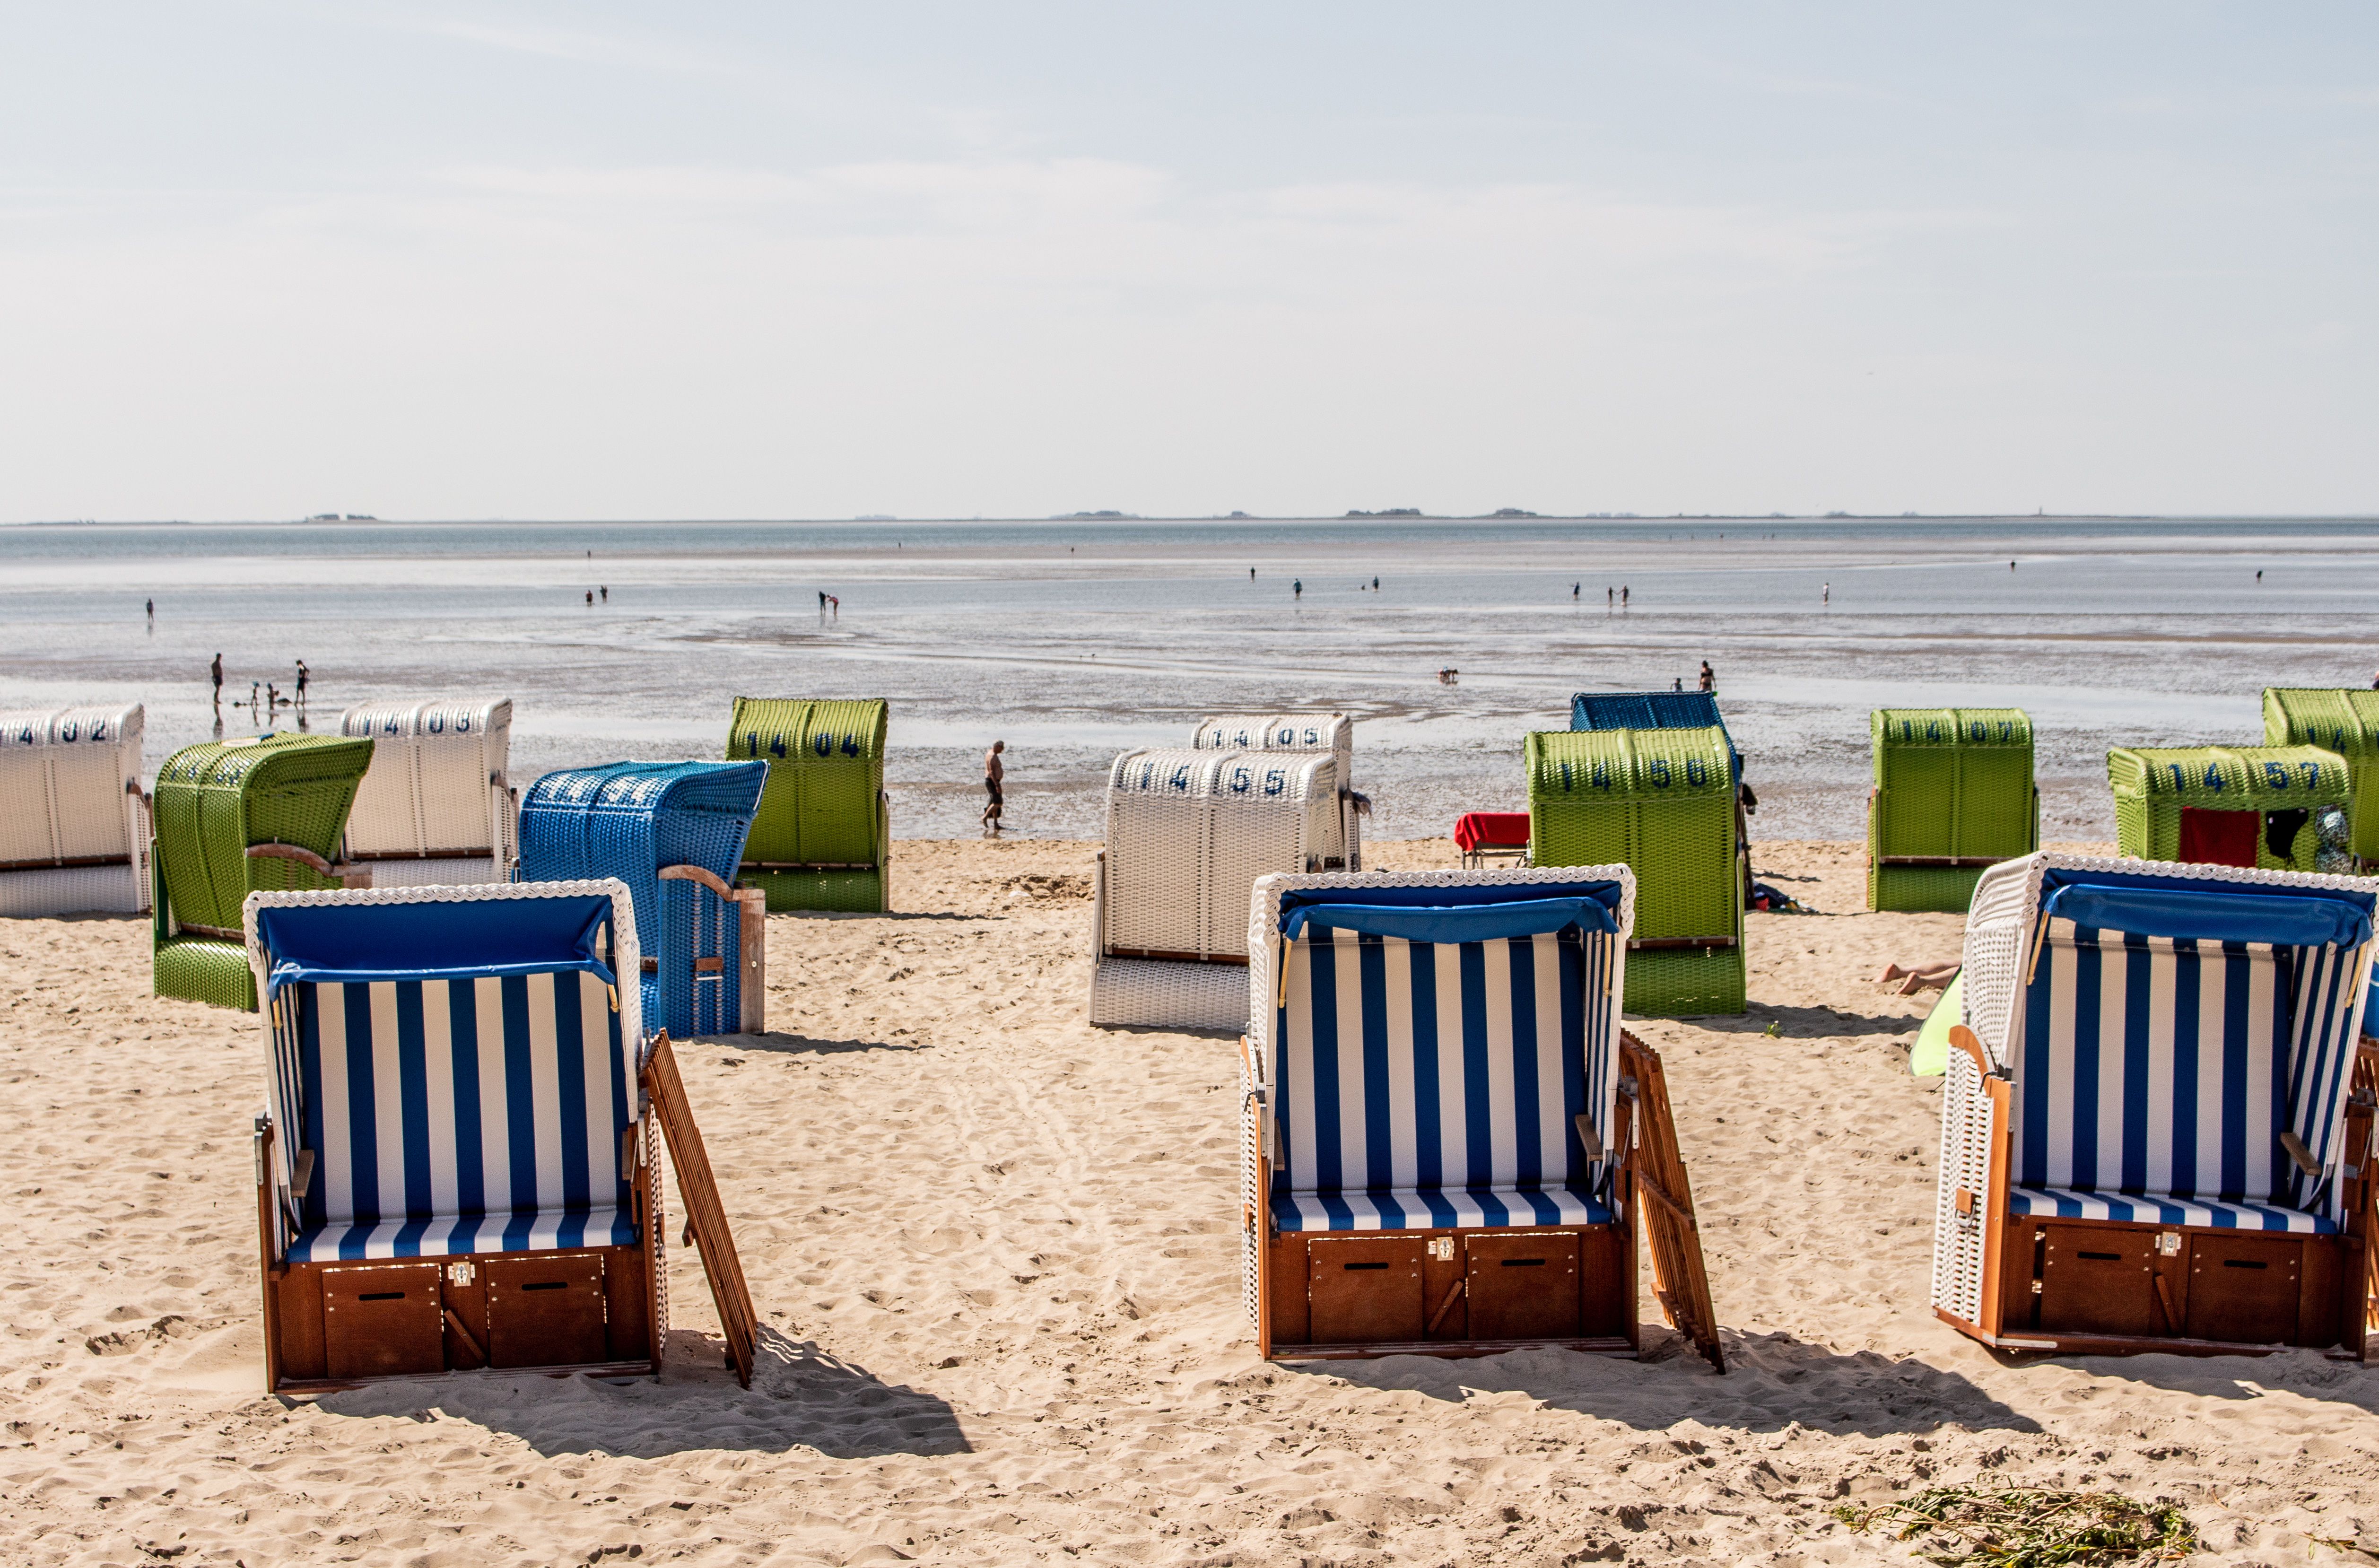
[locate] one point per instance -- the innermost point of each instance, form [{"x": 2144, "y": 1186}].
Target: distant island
[
  {"x": 1510, "y": 511},
  {"x": 1390, "y": 511},
  {"x": 350, "y": 518},
  {"x": 1096, "y": 516}
]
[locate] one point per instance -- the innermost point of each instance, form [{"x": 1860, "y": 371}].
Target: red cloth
[
  {"x": 1493, "y": 830},
  {"x": 2219, "y": 837}
]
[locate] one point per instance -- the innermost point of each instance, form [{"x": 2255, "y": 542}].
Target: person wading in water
[{"x": 993, "y": 773}]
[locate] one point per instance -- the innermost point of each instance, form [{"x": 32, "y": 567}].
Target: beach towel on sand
[{"x": 1930, "y": 1058}]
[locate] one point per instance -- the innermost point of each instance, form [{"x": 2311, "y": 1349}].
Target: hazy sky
[{"x": 608, "y": 260}]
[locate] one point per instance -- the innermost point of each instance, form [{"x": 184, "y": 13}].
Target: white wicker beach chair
[
  {"x": 1332, "y": 733},
  {"x": 1187, "y": 834},
  {"x": 1444, "y": 1128},
  {"x": 74, "y": 825},
  {"x": 2155, "y": 1131},
  {"x": 436, "y": 806}
]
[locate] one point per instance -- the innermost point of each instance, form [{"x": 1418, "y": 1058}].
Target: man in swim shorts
[{"x": 993, "y": 773}]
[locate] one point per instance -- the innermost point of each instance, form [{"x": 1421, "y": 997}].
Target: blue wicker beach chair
[
  {"x": 1446, "y": 1128},
  {"x": 2150, "y": 1140},
  {"x": 674, "y": 833},
  {"x": 456, "y": 1165}
]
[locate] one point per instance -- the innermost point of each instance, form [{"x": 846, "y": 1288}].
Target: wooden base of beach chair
[
  {"x": 2101, "y": 1287},
  {"x": 1461, "y": 1292},
  {"x": 334, "y": 1325}
]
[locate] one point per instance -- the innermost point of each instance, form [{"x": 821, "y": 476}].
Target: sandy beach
[{"x": 994, "y": 1252}]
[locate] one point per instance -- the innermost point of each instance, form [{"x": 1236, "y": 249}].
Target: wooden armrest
[
  {"x": 301, "y": 1175},
  {"x": 1965, "y": 1039},
  {"x": 2301, "y": 1155},
  {"x": 695, "y": 874},
  {"x": 1588, "y": 1135},
  {"x": 302, "y": 855}
]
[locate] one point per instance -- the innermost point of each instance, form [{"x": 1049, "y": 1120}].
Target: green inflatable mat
[
  {"x": 214, "y": 802},
  {"x": 1930, "y": 1058},
  {"x": 1953, "y": 794},
  {"x": 1663, "y": 802},
  {"x": 822, "y": 838},
  {"x": 2281, "y": 787}
]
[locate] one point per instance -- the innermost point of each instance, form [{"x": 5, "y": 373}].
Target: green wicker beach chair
[
  {"x": 2225, "y": 805},
  {"x": 2347, "y": 722},
  {"x": 823, "y": 838},
  {"x": 1953, "y": 793},
  {"x": 1662, "y": 802},
  {"x": 235, "y": 817}
]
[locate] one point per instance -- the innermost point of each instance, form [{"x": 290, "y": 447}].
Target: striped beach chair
[
  {"x": 456, "y": 1166},
  {"x": 435, "y": 807},
  {"x": 2150, "y": 1137},
  {"x": 1449, "y": 1141},
  {"x": 674, "y": 833},
  {"x": 74, "y": 825}
]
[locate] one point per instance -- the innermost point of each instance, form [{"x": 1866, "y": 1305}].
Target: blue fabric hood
[
  {"x": 1453, "y": 914},
  {"x": 2173, "y": 906},
  {"x": 359, "y": 943}
]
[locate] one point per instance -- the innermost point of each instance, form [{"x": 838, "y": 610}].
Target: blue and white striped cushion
[
  {"x": 2063, "y": 1202},
  {"x": 458, "y": 1116},
  {"x": 2157, "y": 1068},
  {"x": 453, "y": 1236},
  {"x": 1438, "y": 1208},
  {"x": 1440, "y": 1078}
]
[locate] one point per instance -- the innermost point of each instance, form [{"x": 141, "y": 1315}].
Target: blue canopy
[
  {"x": 1651, "y": 710},
  {"x": 433, "y": 940},
  {"x": 1479, "y": 913},
  {"x": 2288, "y": 917}
]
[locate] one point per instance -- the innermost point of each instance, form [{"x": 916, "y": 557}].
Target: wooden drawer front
[
  {"x": 1522, "y": 1284},
  {"x": 2099, "y": 1279},
  {"x": 2244, "y": 1288},
  {"x": 1365, "y": 1289},
  {"x": 382, "y": 1320},
  {"x": 545, "y": 1309}
]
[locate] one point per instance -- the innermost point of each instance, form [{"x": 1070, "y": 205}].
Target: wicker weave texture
[
  {"x": 74, "y": 834},
  {"x": 1281, "y": 733},
  {"x": 82, "y": 889},
  {"x": 2344, "y": 722},
  {"x": 438, "y": 785},
  {"x": 835, "y": 892},
  {"x": 628, "y": 820},
  {"x": 1340, "y": 846},
  {"x": 1949, "y": 783},
  {"x": 825, "y": 806},
  {"x": 1188, "y": 832},
  {"x": 1660, "y": 802},
  {"x": 2151, "y": 785},
  {"x": 1965, "y": 1165},
  {"x": 215, "y": 800},
  {"x": 202, "y": 969},
  {"x": 1919, "y": 889},
  {"x": 1154, "y": 994}
]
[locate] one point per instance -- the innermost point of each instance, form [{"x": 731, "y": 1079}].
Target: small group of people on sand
[{"x": 263, "y": 696}]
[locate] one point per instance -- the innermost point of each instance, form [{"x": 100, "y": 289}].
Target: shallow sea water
[{"x": 1075, "y": 639}]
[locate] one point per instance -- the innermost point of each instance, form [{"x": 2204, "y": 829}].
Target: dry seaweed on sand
[{"x": 1989, "y": 1526}]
